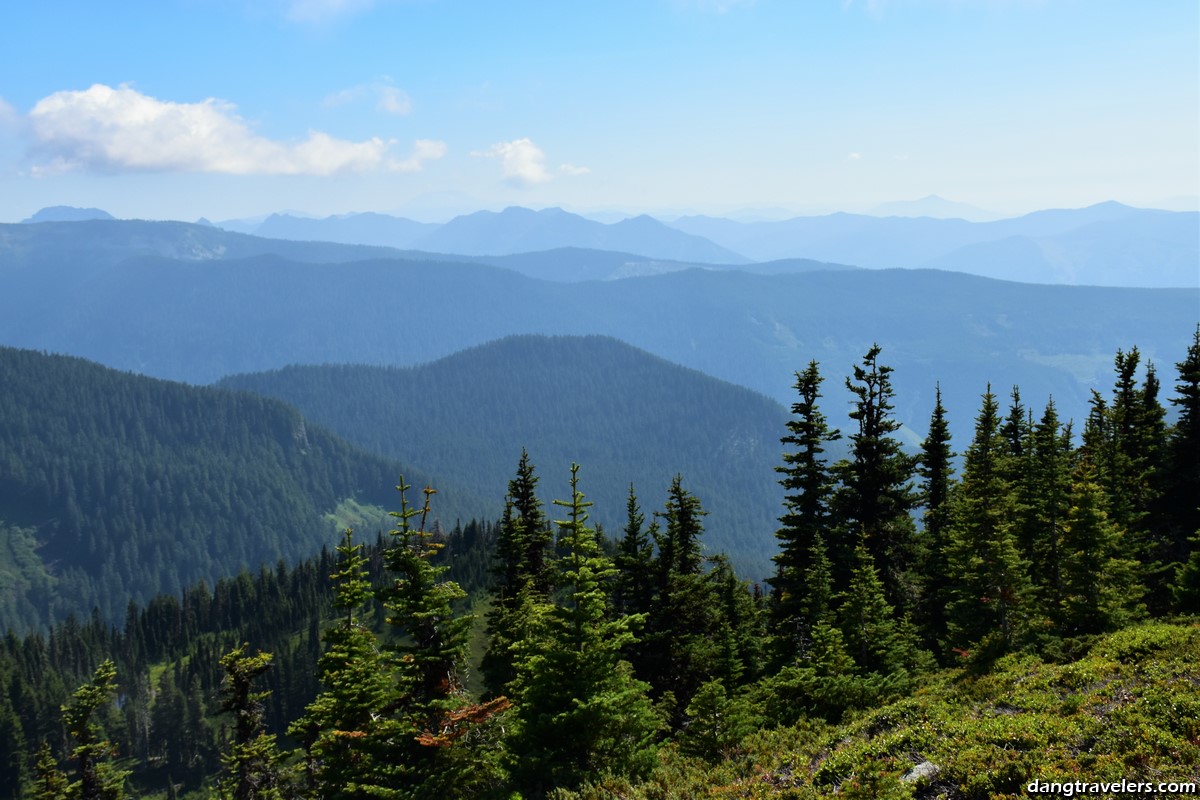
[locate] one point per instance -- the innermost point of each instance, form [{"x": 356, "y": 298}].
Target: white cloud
[
  {"x": 571, "y": 169},
  {"x": 522, "y": 161},
  {"x": 854, "y": 157},
  {"x": 121, "y": 129}
]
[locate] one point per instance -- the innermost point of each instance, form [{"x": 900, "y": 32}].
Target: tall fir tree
[
  {"x": 1181, "y": 488},
  {"x": 1042, "y": 520},
  {"x": 523, "y": 546},
  {"x": 681, "y": 647},
  {"x": 253, "y": 763},
  {"x": 579, "y": 710},
  {"x": 1100, "y": 590},
  {"x": 876, "y": 494},
  {"x": 808, "y": 487},
  {"x": 99, "y": 777},
  {"x": 439, "y": 754},
  {"x": 346, "y": 729},
  {"x": 990, "y": 593},
  {"x": 634, "y": 588},
  {"x": 937, "y": 478}
]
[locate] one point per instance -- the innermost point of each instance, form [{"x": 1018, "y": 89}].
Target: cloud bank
[{"x": 115, "y": 130}]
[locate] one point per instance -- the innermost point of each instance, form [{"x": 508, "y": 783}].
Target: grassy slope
[{"x": 1128, "y": 709}]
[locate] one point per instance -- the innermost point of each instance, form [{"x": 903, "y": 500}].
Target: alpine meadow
[{"x": 651, "y": 399}]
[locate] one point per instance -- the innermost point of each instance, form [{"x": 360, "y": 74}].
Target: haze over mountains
[
  {"x": 196, "y": 303},
  {"x": 1108, "y": 244}
]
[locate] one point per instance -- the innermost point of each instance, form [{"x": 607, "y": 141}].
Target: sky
[{"x": 180, "y": 109}]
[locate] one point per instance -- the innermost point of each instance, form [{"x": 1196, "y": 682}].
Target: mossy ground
[{"x": 1128, "y": 708}]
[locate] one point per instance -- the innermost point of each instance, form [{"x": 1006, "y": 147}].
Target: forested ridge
[
  {"x": 624, "y": 414},
  {"x": 927, "y": 632},
  {"x": 116, "y": 487}
]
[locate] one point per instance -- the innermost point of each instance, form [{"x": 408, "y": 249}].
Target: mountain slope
[
  {"x": 622, "y": 414},
  {"x": 115, "y": 487}
]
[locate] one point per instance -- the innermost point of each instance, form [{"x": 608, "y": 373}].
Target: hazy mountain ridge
[
  {"x": 369, "y": 228},
  {"x": 201, "y": 320},
  {"x": 622, "y": 413},
  {"x": 519, "y": 230},
  {"x": 1169, "y": 242},
  {"x": 1107, "y": 244}
]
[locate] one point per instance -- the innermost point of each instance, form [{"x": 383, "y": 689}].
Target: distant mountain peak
[{"x": 68, "y": 214}]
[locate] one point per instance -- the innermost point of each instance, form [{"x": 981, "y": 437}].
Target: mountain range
[
  {"x": 204, "y": 308},
  {"x": 1107, "y": 244}
]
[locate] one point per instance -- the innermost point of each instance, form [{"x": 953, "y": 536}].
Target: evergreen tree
[
  {"x": 49, "y": 782},
  {"x": 1016, "y": 431},
  {"x": 1125, "y": 443},
  {"x": 1181, "y": 500},
  {"x": 1186, "y": 588},
  {"x": 346, "y": 729},
  {"x": 819, "y": 597},
  {"x": 874, "y": 637},
  {"x": 438, "y": 757},
  {"x": 1043, "y": 518},
  {"x": 522, "y": 550},
  {"x": 876, "y": 493},
  {"x": 989, "y": 583},
  {"x": 1100, "y": 589},
  {"x": 634, "y": 589},
  {"x": 253, "y": 763},
  {"x": 682, "y": 648},
  {"x": 679, "y": 545},
  {"x": 808, "y": 487},
  {"x": 99, "y": 777},
  {"x": 716, "y": 723},
  {"x": 936, "y": 472},
  {"x": 739, "y": 628},
  {"x": 579, "y": 710},
  {"x": 12, "y": 749}
]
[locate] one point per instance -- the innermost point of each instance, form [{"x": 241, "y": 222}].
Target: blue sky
[{"x": 232, "y": 108}]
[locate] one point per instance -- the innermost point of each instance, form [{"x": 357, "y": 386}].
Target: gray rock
[{"x": 926, "y": 769}]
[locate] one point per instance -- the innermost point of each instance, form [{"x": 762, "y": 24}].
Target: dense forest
[
  {"x": 117, "y": 487},
  {"x": 927, "y": 631}
]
